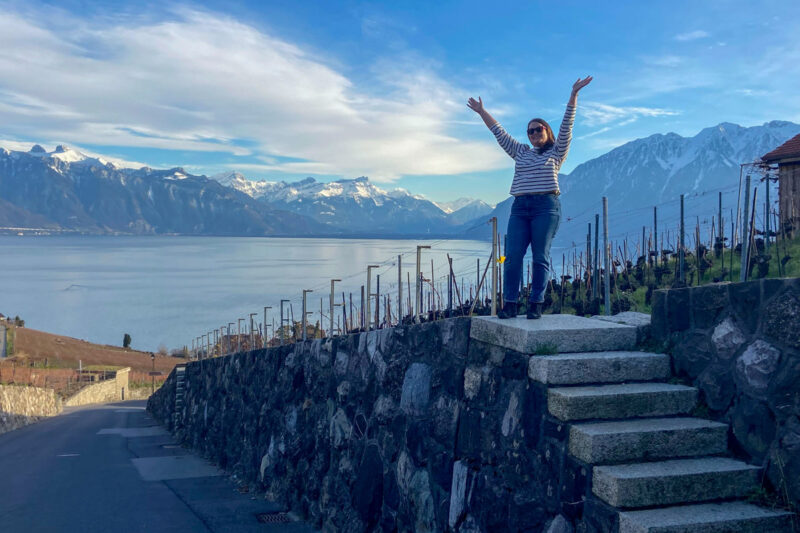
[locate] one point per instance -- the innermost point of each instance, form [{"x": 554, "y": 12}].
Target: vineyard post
[
  {"x": 606, "y": 251},
  {"x": 766, "y": 216},
  {"x": 418, "y": 287},
  {"x": 230, "y": 343},
  {"x": 596, "y": 284},
  {"x": 493, "y": 220},
  {"x": 681, "y": 252},
  {"x": 589, "y": 276},
  {"x": 265, "y": 335},
  {"x": 721, "y": 232},
  {"x": 399, "y": 288},
  {"x": 744, "y": 240},
  {"x": 368, "y": 314},
  {"x": 304, "y": 321},
  {"x": 333, "y": 304},
  {"x": 252, "y": 332},
  {"x": 655, "y": 233},
  {"x": 283, "y": 332}
]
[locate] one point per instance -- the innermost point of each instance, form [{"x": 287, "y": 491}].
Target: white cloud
[
  {"x": 201, "y": 81},
  {"x": 597, "y": 114},
  {"x": 692, "y": 35}
]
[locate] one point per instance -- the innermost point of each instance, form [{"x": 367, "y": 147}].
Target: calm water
[{"x": 169, "y": 290}]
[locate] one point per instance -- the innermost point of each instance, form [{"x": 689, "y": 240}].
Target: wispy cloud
[
  {"x": 692, "y": 35},
  {"x": 597, "y": 114},
  {"x": 200, "y": 81}
]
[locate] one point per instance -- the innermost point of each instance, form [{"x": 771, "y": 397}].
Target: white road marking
[{"x": 68, "y": 455}]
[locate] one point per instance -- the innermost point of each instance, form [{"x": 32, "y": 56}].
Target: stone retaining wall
[
  {"x": 21, "y": 405},
  {"x": 412, "y": 428},
  {"x": 739, "y": 343},
  {"x": 111, "y": 390}
]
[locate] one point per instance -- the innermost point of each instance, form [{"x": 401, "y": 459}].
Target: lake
[{"x": 167, "y": 290}]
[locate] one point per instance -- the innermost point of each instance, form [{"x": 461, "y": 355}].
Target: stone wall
[
  {"x": 739, "y": 343},
  {"x": 110, "y": 390},
  {"x": 21, "y": 405},
  {"x": 412, "y": 428}
]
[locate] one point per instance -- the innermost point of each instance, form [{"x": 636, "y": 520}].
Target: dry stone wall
[
  {"x": 111, "y": 390},
  {"x": 21, "y": 405},
  {"x": 412, "y": 428},
  {"x": 739, "y": 343}
]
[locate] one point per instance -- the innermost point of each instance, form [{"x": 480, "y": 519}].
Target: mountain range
[{"x": 65, "y": 190}]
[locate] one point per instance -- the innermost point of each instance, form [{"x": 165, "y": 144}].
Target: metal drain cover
[{"x": 274, "y": 518}]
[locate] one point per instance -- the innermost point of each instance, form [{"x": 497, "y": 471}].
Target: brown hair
[{"x": 551, "y": 139}]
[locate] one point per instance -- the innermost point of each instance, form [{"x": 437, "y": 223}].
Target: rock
[
  {"x": 416, "y": 389},
  {"x": 560, "y": 525},
  {"x": 367, "y": 491},
  {"x": 745, "y": 298},
  {"x": 383, "y": 409},
  {"x": 727, "y": 338},
  {"x": 678, "y": 308},
  {"x": 717, "y": 385},
  {"x": 753, "y": 426},
  {"x": 755, "y": 367},
  {"x": 472, "y": 382},
  {"x": 784, "y": 460},
  {"x": 340, "y": 429},
  {"x": 405, "y": 471},
  {"x": 693, "y": 353},
  {"x": 340, "y": 365},
  {"x": 781, "y": 317},
  {"x": 708, "y": 302},
  {"x": 512, "y": 416},
  {"x": 458, "y": 493},
  {"x": 445, "y": 420},
  {"x": 422, "y": 503}
]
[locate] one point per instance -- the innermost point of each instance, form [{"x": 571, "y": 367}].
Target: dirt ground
[{"x": 61, "y": 351}]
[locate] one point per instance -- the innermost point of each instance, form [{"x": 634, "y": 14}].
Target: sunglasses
[{"x": 537, "y": 129}]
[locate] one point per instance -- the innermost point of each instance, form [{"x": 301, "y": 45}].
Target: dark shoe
[
  {"x": 509, "y": 310},
  {"x": 534, "y": 311}
]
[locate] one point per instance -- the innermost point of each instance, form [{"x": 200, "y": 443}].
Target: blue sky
[{"x": 285, "y": 90}]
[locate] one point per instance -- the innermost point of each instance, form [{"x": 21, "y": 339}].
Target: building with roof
[{"x": 787, "y": 157}]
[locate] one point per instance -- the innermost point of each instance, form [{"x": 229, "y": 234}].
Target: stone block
[
  {"x": 416, "y": 389},
  {"x": 708, "y": 304},
  {"x": 675, "y": 481},
  {"x": 745, "y": 301},
  {"x": 598, "y": 367},
  {"x": 717, "y": 386},
  {"x": 784, "y": 397},
  {"x": 567, "y": 333},
  {"x": 726, "y": 517},
  {"x": 620, "y": 401},
  {"x": 756, "y": 367},
  {"x": 678, "y": 309},
  {"x": 784, "y": 460},
  {"x": 468, "y": 438},
  {"x": 781, "y": 319},
  {"x": 458, "y": 494},
  {"x": 646, "y": 439},
  {"x": 727, "y": 338},
  {"x": 367, "y": 492},
  {"x": 659, "y": 325},
  {"x": 753, "y": 426},
  {"x": 693, "y": 353}
]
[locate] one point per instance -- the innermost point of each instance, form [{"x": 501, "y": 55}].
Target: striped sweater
[{"x": 535, "y": 172}]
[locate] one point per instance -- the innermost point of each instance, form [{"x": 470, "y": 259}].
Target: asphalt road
[{"x": 112, "y": 468}]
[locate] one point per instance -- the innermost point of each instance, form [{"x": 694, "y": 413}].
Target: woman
[{"x": 536, "y": 211}]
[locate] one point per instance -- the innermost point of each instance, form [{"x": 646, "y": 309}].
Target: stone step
[
  {"x": 646, "y": 439},
  {"x": 629, "y": 400},
  {"x": 674, "y": 481},
  {"x": 554, "y": 333},
  {"x": 727, "y": 517},
  {"x": 598, "y": 367}
]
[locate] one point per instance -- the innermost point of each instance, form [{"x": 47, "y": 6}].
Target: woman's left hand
[{"x": 580, "y": 84}]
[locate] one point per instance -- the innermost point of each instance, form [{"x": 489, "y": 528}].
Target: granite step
[
  {"x": 646, "y": 439},
  {"x": 554, "y": 333},
  {"x": 672, "y": 482},
  {"x": 629, "y": 400},
  {"x": 598, "y": 367},
  {"x": 727, "y": 517}
]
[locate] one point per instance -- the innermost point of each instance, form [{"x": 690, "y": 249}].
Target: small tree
[{"x": 126, "y": 341}]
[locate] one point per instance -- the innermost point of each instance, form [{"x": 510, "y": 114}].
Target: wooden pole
[
  {"x": 607, "y": 295},
  {"x": 745, "y": 231}
]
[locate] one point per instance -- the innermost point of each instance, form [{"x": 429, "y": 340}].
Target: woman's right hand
[{"x": 476, "y": 105}]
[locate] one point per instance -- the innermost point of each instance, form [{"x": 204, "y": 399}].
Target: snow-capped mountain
[
  {"x": 655, "y": 171},
  {"x": 465, "y": 209},
  {"x": 352, "y": 205},
  {"x": 65, "y": 189}
]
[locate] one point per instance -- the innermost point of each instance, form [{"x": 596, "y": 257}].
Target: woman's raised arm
[{"x": 477, "y": 106}]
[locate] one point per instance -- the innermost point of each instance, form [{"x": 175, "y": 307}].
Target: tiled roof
[{"x": 789, "y": 149}]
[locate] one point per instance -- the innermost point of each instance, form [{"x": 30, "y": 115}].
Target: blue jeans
[{"x": 534, "y": 221}]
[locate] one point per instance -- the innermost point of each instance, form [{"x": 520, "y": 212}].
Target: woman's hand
[
  {"x": 476, "y": 105},
  {"x": 580, "y": 84}
]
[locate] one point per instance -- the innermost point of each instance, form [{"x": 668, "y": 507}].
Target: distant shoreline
[{"x": 36, "y": 232}]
